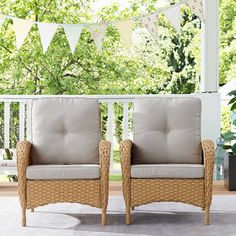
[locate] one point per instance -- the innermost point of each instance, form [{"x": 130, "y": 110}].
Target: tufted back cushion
[
  {"x": 167, "y": 130},
  {"x": 65, "y": 131}
]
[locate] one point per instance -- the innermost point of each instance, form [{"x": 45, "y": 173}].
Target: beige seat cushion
[
  {"x": 89, "y": 171},
  {"x": 167, "y": 131},
  {"x": 171, "y": 171},
  {"x": 65, "y": 131}
]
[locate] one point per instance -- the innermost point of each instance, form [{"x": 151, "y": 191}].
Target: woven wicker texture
[
  {"x": 208, "y": 154},
  {"x": 22, "y": 153},
  {"x": 125, "y": 158},
  {"x": 34, "y": 193},
  {"x": 145, "y": 191},
  {"x": 42, "y": 192},
  {"x": 197, "y": 192},
  {"x": 104, "y": 160}
]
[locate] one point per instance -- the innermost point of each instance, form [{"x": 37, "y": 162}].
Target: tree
[
  {"x": 167, "y": 66},
  {"x": 227, "y": 40}
]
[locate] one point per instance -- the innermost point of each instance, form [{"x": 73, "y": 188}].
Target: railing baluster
[
  {"x": 110, "y": 130},
  {"x": 22, "y": 121},
  {"x": 125, "y": 120},
  {"x": 28, "y": 121},
  {"x": 7, "y": 124}
]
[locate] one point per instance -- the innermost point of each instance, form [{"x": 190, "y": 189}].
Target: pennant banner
[
  {"x": 2, "y": 18},
  {"x": 150, "y": 23},
  {"x": 197, "y": 7},
  {"x": 173, "y": 15},
  {"x": 98, "y": 32},
  {"x": 47, "y": 32},
  {"x": 21, "y": 28},
  {"x": 72, "y": 34},
  {"x": 125, "y": 29}
]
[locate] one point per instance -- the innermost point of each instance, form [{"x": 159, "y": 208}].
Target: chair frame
[
  {"x": 197, "y": 192},
  {"x": 34, "y": 193}
]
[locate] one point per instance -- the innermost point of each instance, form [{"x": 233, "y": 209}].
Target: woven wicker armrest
[
  {"x": 22, "y": 157},
  {"x": 125, "y": 160},
  {"x": 104, "y": 158},
  {"x": 208, "y": 154},
  {"x": 125, "y": 157}
]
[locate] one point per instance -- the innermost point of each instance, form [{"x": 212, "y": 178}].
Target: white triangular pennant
[
  {"x": 21, "y": 28},
  {"x": 72, "y": 32},
  {"x": 197, "y": 7},
  {"x": 150, "y": 23},
  {"x": 125, "y": 29},
  {"x": 47, "y": 32},
  {"x": 173, "y": 15},
  {"x": 98, "y": 32},
  {"x": 2, "y": 18}
]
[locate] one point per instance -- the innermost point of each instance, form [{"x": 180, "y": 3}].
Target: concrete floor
[{"x": 153, "y": 219}]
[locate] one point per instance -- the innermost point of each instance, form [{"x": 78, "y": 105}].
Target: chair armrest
[
  {"x": 104, "y": 161},
  {"x": 208, "y": 155},
  {"x": 104, "y": 157},
  {"x": 22, "y": 157},
  {"x": 125, "y": 157}
]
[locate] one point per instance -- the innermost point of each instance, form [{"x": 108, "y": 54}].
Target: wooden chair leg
[
  {"x": 104, "y": 217},
  {"x": 132, "y": 208},
  {"x": 128, "y": 216},
  {"x": 23, "y": 216},
  {"x": 32, "y": 210},
  {"x": 207, "y": 215},
  {"x": 203, "y": 209}
]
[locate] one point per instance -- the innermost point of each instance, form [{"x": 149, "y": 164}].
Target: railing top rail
[{"x": 102, "y": 98}]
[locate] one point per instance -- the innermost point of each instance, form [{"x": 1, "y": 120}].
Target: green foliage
[
  {"x": 170, "y": 65},
  {"x": 118, "y": 121},
  {"x": 225, "y": 119},
  {"x": 227, "y": 40},
  {"x": 229, "y": 137},
  {"x": 232, "y": 101},
  {"x": 115, "y": 177}
]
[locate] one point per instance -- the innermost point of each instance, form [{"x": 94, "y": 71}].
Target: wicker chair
[
  {"x": 164, "y": 162},
  {"x": 66, "y": 161}
]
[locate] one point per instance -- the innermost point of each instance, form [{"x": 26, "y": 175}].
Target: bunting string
[{"x": 47, "y": 31}]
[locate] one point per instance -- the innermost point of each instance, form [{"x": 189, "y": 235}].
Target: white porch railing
[{"x": 21, "y": 129}]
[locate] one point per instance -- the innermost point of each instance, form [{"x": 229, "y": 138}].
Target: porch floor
[{"x": 10, "y": 189}]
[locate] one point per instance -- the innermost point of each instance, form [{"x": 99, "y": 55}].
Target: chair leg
[
  {"x": 23, "y": 216},
  {"x": 203, "y": 209},
  {"x": 132, "y": 208},
  {"x": 104, "y": 217},
  {"x": 128, "y": 216},
  {"x": 32, "y": 210},
  {"x": 207, "y": 215}
]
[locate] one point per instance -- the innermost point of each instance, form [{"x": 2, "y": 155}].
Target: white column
[{"x": 210, "y": 47}]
